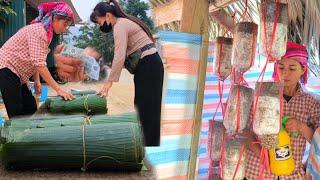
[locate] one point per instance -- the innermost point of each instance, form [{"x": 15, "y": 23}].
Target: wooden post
[{"x": 195, "y": 19}]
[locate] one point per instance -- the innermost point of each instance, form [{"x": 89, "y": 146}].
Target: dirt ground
[{"x": 120, "y": 100}]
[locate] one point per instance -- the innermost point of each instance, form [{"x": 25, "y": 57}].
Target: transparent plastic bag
[
  {"x": 245, "y": 102},
  {"x": 222, "y": 66},
  {"x": 266, "y": 123},
  {"x": 244, "y": 46},
  {"x": 234, "y": 148},
  {"x": 216, "y": 131},
  {"x": 267, "y": 115},
  {"x": 268, "y": 17}
]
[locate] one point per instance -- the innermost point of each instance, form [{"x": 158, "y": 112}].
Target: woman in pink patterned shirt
[
  {"x": 302, "y": 108},
  {"x": 132, "y": 38},
  {"x": 24, "y": 55}
]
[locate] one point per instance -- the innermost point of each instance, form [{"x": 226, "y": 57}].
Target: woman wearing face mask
[
  {"x": 24, "y": 55},
  {"x": 134, "y": 49},
  {"x": 300, "y": 106}
]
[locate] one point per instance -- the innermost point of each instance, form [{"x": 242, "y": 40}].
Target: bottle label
[{"x": 282, "y": 153}]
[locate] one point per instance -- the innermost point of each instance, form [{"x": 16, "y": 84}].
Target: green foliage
[
  {"x": 102, "y": 42},
  {"x": 138, "y": 8},
  {"x": 5, "y": 7}
]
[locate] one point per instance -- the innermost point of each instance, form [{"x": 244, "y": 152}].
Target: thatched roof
[{"x": 303, "y": 17}]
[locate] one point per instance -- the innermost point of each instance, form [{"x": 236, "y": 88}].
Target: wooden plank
[
  {"x": 167, "y": 13},
  {"x": 194, "y": 12},
  {"x": 223, "y": 18},
  {"x": 219, "y": 4},
  {"x": 195, "y": 19}
]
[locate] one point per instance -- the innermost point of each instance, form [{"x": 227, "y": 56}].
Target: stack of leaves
[
  {"x": 63, "y": 142},
  {"x": 88, "y": 104}
]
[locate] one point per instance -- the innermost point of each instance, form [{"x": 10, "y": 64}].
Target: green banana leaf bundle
[
  {"x": 109, "y": 146},
  {"x": 70, "y": 120},
  {"x": 88, "y": 104}
]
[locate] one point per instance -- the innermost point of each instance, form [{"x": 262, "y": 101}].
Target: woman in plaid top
[
  {"x": 302, "y": 108},
  {"x": 24, "y": 55}
]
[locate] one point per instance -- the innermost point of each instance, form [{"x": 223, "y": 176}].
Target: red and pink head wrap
[
  {"x": 46, "y": 12},
  {"x": 298, "y": 52}
]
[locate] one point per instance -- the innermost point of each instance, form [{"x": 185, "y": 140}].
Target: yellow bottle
[{"x": 281, "y": 160}]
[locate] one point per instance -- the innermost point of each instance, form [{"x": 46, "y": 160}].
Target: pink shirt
[
  {"x": 25, "y": 51},
  {"x": 128, "y": 37}
]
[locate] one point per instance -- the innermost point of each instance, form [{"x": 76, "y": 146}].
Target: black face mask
[{"x": 106, "y": 28}]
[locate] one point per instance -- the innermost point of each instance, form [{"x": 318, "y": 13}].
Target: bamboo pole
[{"x": 195, "y": 19}]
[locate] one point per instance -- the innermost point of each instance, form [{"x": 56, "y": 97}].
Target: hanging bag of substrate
[
  {"x": 266, "y": 123},
  {"x": 238, "y": 108},
  {"x": 234, "y": 159},
  {"x": 244, "y": 46},
  {"x": 222, "y": 66},
  {"x": 274, "y": 29},
  {"x": 216, "y": 131}
]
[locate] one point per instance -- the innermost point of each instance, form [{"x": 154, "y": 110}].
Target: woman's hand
[
  {"x": 293, "y": 125},
  {"x": 302, "y": 128},
  {"x": 65, "y": 95},
  {"x": 37, "y": 87},
  {"x": 105, "y": 89}
]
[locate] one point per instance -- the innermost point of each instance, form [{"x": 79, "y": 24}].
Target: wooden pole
[{"x": 195, "y": 19}]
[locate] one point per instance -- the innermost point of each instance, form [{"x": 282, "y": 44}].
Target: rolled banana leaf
[
  {"x": 110, "y": 146},
  {"x": 88, "y": 104},
  {"x": 21, "y": 124}
]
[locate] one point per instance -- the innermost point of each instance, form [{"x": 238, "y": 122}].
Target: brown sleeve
[{"x": 120, "y": 35}]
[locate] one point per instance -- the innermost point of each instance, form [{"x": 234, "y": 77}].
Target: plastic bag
[
  {"x": 244, "y": 46},
  {"x": 215, "y": 139},
  {"x": 271, "y": 36},
  {"x": 267, "y": 116},
  {"x": 240, "y": 101},
  {"x": 234, "y": 159},
  {"x": 222, "y": 66}
]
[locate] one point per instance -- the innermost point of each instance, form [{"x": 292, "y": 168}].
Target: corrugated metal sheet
[{"x": 14, "y": 22}]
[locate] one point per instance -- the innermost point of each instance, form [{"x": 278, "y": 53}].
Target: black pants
[
  {"x": 148, "y": 81},
  {"x": 17, "y": 98}
]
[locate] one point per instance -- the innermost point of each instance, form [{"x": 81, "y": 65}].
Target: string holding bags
[{"x": 274, "y": 28}]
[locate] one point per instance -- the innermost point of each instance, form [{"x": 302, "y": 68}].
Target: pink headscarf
[
  {"x": 46, "y": 12},
  {"x": 298, "y": 52}
]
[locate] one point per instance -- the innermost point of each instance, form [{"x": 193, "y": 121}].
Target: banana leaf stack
[
  {"x": 88, "y": 104},
  {"x": 94, "y": 144},
  {"x": 21, "y": 124}
]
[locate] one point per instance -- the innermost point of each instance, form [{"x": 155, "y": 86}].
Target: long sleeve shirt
[
  {"x": 25, "y": 51},
  {"x": 128, "y": 37}
]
